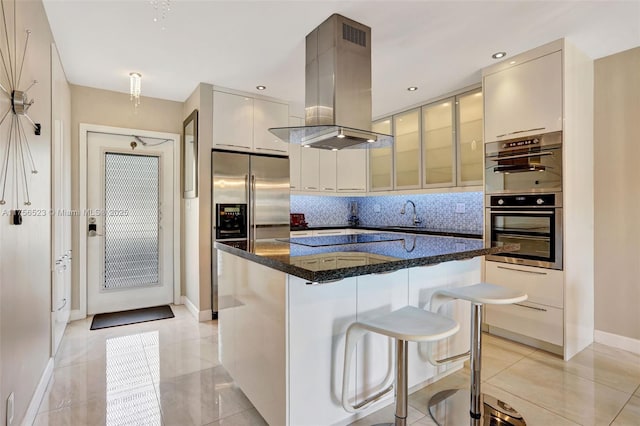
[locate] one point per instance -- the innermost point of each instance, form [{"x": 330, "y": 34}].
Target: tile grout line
[
  {"x": 575, "y": 375},
  {"x": 581, "y": 377},
  {"x": 621, "y": 409}
]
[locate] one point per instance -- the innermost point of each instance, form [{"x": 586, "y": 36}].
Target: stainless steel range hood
[{"x": 338, "y": 89}]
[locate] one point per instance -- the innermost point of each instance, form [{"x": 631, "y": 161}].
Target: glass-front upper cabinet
[
  {"x": 406, "y": 132},
  {"x": 438, "y": 144},
  {"x": 470, "y": 141},
  {"x": 381, "y": 160}
]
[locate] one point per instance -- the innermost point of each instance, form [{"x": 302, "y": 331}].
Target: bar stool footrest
[{"x": 372, "y": 399}]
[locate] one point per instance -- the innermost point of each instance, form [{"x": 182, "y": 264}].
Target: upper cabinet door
[
  {"x": 470, "y": 143},
  {"x": 310, "y": 169},
  {"x": 232, "y": 121},
  {"x": 381, "y": 160},
  {"x": 328, "y": 169},
  {"x": 524, "y": 100},
  {"x": 406, "y": 132},
  {"x": 267, "y": 114},
  {"x": 438, "y": 144},
  {"x": 352, "y": 170}
]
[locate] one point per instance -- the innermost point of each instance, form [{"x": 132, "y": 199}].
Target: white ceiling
[{"x": 439, "y": 46}]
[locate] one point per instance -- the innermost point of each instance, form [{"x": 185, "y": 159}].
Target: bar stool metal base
[{"x": 451, "y": 408}]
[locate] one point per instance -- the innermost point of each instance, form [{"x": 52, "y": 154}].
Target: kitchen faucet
[{"x": 416, "y": 219}]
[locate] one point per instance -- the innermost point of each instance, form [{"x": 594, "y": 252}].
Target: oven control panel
[{"x": 542, "y": 200}]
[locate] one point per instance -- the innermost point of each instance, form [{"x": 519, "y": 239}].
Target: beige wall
[
  {"x": 196, "y": 272},
  {"x": 189, "y": 241},
  {"x": 617, "y": 194},
  {"x": 25, "y": 251},
  {"x": 107, "y": 108}
]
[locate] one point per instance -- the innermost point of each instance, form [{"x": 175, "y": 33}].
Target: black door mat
[{"x": 134, "y": 316}]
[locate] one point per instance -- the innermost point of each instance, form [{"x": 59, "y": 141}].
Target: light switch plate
[{"x": 460, "y": 208}]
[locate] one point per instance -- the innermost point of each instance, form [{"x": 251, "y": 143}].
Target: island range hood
[{"x": 338, "y": 89}]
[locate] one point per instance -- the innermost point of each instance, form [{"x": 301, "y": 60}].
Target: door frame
[{"x": 85, "y": 129}]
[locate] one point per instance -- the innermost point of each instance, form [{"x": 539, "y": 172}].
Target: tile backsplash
[
  {"x": 458, "y": 211},
  {"x": 320, "y": 211}
]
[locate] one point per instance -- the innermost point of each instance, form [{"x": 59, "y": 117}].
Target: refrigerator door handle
[
  {"x": 247, "y": 188},
  {"x": 253, "y": 208}
]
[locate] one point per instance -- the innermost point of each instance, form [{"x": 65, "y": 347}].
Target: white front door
[{"x": 129, "y": 222}]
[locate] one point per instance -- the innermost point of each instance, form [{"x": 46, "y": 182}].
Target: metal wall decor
[{"x": 16, "y": 161}]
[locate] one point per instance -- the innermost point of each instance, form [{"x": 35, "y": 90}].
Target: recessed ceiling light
[
  {"x": 499, "y": 55},
  {"x": 412, "y": 88},
  {"x": 512, "y": 62},
  {"x": 306, "y": 146},
  {"x": 370, "y": 140},
  {"x": 334, "y": 149},
  {"x": 261, "y": 87}
]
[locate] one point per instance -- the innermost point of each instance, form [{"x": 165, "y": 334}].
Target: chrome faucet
[{"x": 416, "y": 220}]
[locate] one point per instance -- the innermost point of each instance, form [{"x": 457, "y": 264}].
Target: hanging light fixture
[
  {"x": 135, "y": 80},
  {"x": 161, "y": 8}
]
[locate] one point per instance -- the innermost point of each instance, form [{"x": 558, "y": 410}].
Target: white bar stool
[
  {"x": 459, "y": 406},
  {"x": 408, "y": 324}
]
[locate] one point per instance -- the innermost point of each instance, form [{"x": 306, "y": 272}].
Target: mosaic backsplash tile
[
  {"x": 320, "y": 211},
  {"x": 459, "y": 211}
]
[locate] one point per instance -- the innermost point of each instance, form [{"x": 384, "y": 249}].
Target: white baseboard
[
  {"x": 205, "y": 315},
  {"x": 36, "y": 399},
  {"x": 617, "y": 341},
  {"x": 75, "y": 315}
]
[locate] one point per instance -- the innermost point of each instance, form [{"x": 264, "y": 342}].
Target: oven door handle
[
  {"x": 543, "y": 213},
  {"x": 513, "y": 157}
]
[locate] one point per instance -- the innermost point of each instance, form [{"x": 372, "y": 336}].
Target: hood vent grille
[{"x": 354, "y": 35}]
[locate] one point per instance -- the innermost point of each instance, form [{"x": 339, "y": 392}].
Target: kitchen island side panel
[{"x": 252, "y": 324}]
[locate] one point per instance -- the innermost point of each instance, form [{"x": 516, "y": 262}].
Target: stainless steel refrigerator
[{"x": 250, "y": 201}]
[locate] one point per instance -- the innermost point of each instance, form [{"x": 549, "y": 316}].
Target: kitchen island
[{"x": 285, "y": 305}]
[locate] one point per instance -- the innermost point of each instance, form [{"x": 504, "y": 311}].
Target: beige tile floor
[{"x": 167, "y": 373}]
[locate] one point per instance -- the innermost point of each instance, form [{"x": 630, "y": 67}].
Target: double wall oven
[{"x": 523, "y": 187}]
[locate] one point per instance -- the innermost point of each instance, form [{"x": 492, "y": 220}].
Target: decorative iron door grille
[{"x": 132, "y": 221}]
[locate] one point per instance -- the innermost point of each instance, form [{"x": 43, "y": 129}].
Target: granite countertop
[
  {"x": 405, "y": 229},
  {"x": 312, "y": 259}
]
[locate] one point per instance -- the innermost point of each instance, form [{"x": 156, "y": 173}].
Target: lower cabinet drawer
[
  {"x": 543, "y": 286},
  {"x": 529, "y": 319}
]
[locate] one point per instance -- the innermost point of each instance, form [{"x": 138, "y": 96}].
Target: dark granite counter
[
  {"x": 405, "y": 229},
  {"x": 309, "y": 258}
]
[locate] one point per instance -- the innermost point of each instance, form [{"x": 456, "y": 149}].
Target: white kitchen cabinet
[
  {"x": 550, "y": 88},
  {"x": 351, "y": 170},
  {"x": 406, "y": 132},
  {"x": 327, "y": 169},
  {"x": 539, "y": 322},
  {"x": 294, "y": 158},
  {"x": 232, "y": 121},
  {"x": 267, "y": 114},
  {"x": 438, "y": 147},
  {"x": 470, "y": 144},
  {"x": 381, "y": 160},
  {"x": 241, "y": 123},
  {"x": 543, "y": 286},
  {"x": 540, "y": 317},
  {"x": 309, "y": 169},
  {"x": 525, "y": 99}
]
